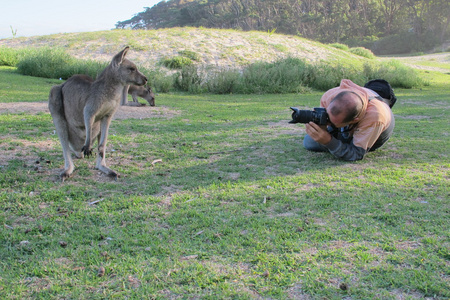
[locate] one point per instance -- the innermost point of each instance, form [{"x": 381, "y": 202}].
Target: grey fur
[
  {"x": 138, "y": 91},
  {"x": 82, "y": 109}
]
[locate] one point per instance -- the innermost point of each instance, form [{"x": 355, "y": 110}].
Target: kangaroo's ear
[{"x": 119, "y": 57}]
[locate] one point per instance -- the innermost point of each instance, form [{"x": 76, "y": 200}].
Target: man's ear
[{"x": 355, "y": 120}]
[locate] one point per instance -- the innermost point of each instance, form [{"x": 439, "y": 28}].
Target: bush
[
  {"x": 362, "y": 52},
  {"x": 162, "y": 84},
  {"x": 397, "y": 74},
  {"x": 47, "y": 63},
  {"x": 189, "y": 80},
  {"x": 283, "y": 76},
  {"x": 177, "y": 62},
  {"x": 11, "y": 57},
  {"x": 339, "y": 46},
  {"x": 190, "y": 54},
  {"x": 325, "y": 76},
  {"x": 159, "y": 81},
  {"x": 223, "y": 81},
  {"x": 56, "y": 63}
]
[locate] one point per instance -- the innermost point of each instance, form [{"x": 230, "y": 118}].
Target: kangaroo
[
  {"x": 137, "y": 91},
  {"x": 82, "y": 109}
]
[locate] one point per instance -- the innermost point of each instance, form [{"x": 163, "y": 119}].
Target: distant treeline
[{"x": 384, "y": 26}]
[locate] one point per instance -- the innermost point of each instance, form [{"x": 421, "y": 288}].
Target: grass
[
  {"x": 18, "y": 88},
  {"x": 237, "y": 209}
]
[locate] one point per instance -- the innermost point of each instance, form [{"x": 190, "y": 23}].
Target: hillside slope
[{"x": 215, "y": 47}]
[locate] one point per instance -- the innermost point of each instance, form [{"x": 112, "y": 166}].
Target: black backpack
[{"x": 384, "y": 89}]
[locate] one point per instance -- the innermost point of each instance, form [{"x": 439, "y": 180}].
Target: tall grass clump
[
  {"x": 189, "y": 79},
  {"x": 10, "y": 57},
  {"x": 160, "y": 81},
  {"x": 56, "y": 63},
  {"x": 46, "y": 62},
  {"x": 223, "y": 81},
  {"x": 340, "y": 46},
  {"x": 290, "y": 75},
  {"x": 177, "y": 62},
  {"x": 324, "y": 76},
  {"x": 283, "y": 76},
  {"x": 396, "y": 73},
  {"x": 361, "y": 51},
  {"x": 190, "y": 54}
]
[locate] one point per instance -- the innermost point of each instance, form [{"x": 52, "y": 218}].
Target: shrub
[
  {"x": 190, "y": 54},
  {"x": 47, "y": 63},
  {"x": 177, "y": 62},
  {"x": 362, "y": 52},
  {"x": 162, "y": 84},
  {"x": 325, "y": 76},
  {"x": 158, "y": 80},
  {"x": 56, "y": 63},
  {"x": 339, "y": 46},
  {"x": 11, "y": 57},
  {"x": 223, "y": 81},
  {"x": 396, "y": 73},
  {"x": 282, "y": 76},
  {"x": 189, "y": 80}
]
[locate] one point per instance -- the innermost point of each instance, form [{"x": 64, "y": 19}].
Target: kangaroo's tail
[{"x": 56, "y": 100}]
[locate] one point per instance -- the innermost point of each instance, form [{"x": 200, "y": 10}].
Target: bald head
[{"x": 348, "y": 104}]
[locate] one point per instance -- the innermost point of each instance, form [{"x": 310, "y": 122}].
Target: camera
[{"x": 318, "y": 115}]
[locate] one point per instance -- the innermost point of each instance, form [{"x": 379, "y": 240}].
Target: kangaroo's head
[
  {"x": 149, "y": 96},
  {"x": 126, "y": 71}
]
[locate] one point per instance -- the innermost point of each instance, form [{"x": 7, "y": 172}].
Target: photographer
[{"x": 359, "y": 121}]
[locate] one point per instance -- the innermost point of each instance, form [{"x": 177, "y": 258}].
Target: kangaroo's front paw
[{"x": 86, "y": 151}]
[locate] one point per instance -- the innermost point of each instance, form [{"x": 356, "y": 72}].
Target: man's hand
[{"x": 318, "y": 133}]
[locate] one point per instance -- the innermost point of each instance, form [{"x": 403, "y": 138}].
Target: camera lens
[{"x": 304, "y": 116}]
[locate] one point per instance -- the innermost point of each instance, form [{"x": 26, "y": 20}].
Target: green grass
[
  {"x": 361, "y": 51},
  {"x": 18, "y": 88},
  {"x": 237, "y": 209}
]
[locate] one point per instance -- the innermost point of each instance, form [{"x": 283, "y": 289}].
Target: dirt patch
[{"x": 124, "y": 112}]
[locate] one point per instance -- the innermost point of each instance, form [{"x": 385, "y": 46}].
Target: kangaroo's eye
[{"x": 133, "y": 69}]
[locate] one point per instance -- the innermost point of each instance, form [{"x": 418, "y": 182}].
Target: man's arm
[
  {"x": 348, "y": 152},
  {"x": 341, "y": 150}
]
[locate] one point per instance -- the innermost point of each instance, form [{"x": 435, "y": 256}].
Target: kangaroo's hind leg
[{"x": 56, "y": 107}]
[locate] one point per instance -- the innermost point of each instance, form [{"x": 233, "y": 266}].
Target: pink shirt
[{"x": 375, "y": 117}]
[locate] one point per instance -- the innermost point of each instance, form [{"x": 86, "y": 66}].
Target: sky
[{"x": 42, "y": 17}]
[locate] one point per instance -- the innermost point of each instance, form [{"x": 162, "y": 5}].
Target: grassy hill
[
  {"x": 289, "y": 63},
  {"x": 214, "y": 47}
]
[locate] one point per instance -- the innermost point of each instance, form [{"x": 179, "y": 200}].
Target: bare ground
[{"x": 124, "y": 112}]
